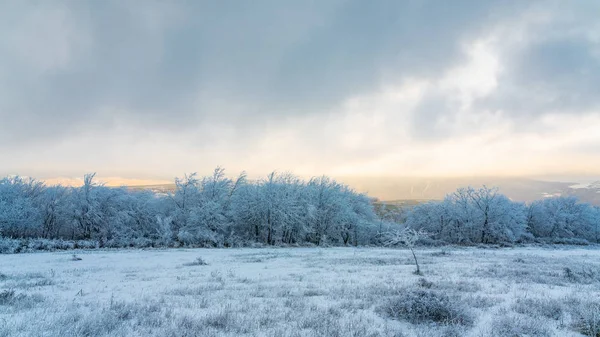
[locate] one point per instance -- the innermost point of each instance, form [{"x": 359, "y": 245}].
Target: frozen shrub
[
  {"x": 313, "y": 292},
  {"x": 7, "y": 296},
  {"x": 515, "y": 325},
  {"x": 75, "y": 258},
  {"x": 103, "y": 324},
  {"x": 142, "y": 242},
  {"x": 124, "y": 311},
  {"x": 86, "y": 244},
  {"x": 5, "y": 331},
  {"x": 19, "y": 301},
  {"x": 570, "y": 241},
  {"x": 187, "y": 326},
  {"x": 584, "y": 274},
  {"x": 114, "y": 319},
  {"x": 459, "y": 285},
  {"x": 480, "y": 302},
  {"x": 427, "y": 306},
  {"x": 223, "y": 320},
  {"x": 186, "y": 237},
  {"x": 548, "y": 308},
  {"x": 60, "y": 244},
  {"x": 47, "y": 244},
  {"x": 586, "y": 317},
  {"x": 198, "y": 262},
  {"x": 423, "y": 283},
  {"x": 450, "y": 286},
  {"x": 441, "y": 253},
  {"x": 9, "y": 246}
]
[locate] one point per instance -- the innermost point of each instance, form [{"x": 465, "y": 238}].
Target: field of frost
[{"x": 302, "y": 292}]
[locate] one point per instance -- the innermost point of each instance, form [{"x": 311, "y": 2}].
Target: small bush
[
  {"x": 19, "y": 301},
  {"x": 539, "y": 307},
  {"x": 86, "y": 244},
  {"x": 7, "y": 296},
  {"x": 481, "y": 302},
  {"x": 136, "y": 310},
  {"x": 570, "y": 241},
  {"x": 114, "y": 319},
  {"x": 514, "y": 325},
  {"x": 441, "y": 253},
  {"x": 581, "y": 274},
  {"x": 313, "y": 292},
  {"x": 198, "y": 262},
  {"x": 423, "y": 283},
  {"x": 187, "y": 326},
  {"x": 223, "y": 320},
  {"x": 427, "y": 306},
  {"x": 450, "y": 286},
  {"x": 98, "y": 324},
  {"x": 26, "y": 284},
  {"x": 9, "y": 246},
  {"x": 586, "y": 318},
  {"x": 459, "y": 285}
]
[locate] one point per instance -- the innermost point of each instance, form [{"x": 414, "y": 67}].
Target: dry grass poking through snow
[{"x": 302, "y": 292}]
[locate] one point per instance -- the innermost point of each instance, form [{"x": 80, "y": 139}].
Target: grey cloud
[
  {"x": 187, "y": 63},
  {"x": 559, "y": 75},
  {"x": 426, "y": 124},
  {"x": 557, "y": 70}
]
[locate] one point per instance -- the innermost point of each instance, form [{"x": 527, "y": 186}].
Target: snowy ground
[{"x": 302, "y": 292}]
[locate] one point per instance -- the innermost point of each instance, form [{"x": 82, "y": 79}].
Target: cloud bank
[{"x": 152, "y": 89}]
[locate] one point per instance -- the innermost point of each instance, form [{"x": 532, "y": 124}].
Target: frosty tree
[
  {"x": 407, "y": 237},
  {"x": 279, "y": 209}
]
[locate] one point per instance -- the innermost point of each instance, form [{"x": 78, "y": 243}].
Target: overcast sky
[{"x": 152, "y": 89}]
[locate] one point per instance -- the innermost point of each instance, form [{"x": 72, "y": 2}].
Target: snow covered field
[{"x": 302, "y": 292}]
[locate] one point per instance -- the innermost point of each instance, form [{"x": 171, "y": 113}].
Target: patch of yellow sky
[{"x": 108, "y": 181}]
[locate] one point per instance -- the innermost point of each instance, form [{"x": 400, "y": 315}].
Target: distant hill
[
  {"x": 519, "y": 189},
  {"x": 162, "y": 188},
  {"x": 410, "y": 191}
]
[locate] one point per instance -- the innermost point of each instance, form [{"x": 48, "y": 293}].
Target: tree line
[
  {"x": 212, "y": 211},
  {"x": 280, "y": 209},
  {"x": 484, "y": 216}
]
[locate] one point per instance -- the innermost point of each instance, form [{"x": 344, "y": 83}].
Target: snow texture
[{"x": 301, "y": 292}]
